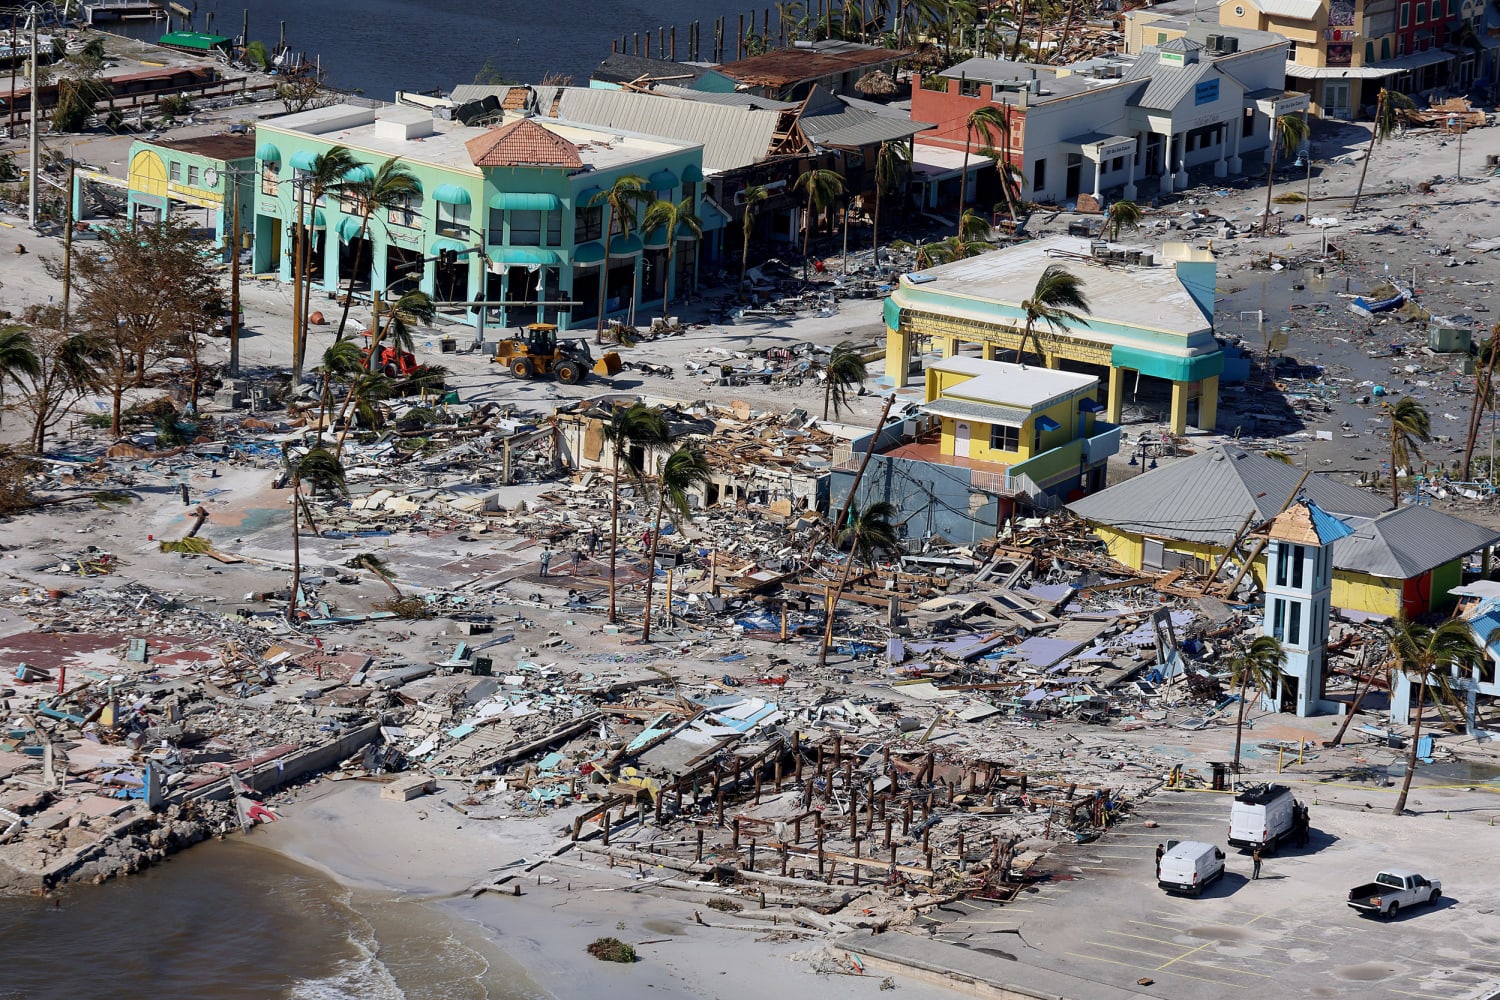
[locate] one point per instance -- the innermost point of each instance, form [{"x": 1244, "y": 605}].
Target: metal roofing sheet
[
  {"x": 963, "y": 409},
  {"x": 1169, "y": 84},
  {"x": 731, "y": 137},
  {"x": 1205, "y": 498},
  {"x": 850, "y": 127},
  {"x": 1409, "y": 541}
]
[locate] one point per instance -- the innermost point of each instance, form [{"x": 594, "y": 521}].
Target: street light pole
[{"x": 34, "y": 153}]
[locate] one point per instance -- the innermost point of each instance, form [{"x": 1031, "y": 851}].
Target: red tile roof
[{"x": 523, "y": 143}]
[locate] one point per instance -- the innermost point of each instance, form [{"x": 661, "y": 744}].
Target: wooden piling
[
  {"x": 698, "y": 856},
  {"x": 739, "y": 40}
]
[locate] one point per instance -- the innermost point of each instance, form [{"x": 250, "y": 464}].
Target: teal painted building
[
  {"x": 208, "y": 172},
  {"x": 514, "y": 201}
]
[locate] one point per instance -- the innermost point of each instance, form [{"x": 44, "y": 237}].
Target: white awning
[
  {"x": 1416, "y": 60},
  {"x": 1301, "y": 72}
]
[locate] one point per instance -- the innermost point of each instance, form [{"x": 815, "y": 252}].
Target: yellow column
[
  {"x": 990, "y": 350},
  {"x": 897, "y": 356},
  {"x": 1208, "y": 403},
  {"x": 1114, "y": 407},
  {"x": 950, "y": 347},
  {"x": 1053, "y": 361},
  {"x": 1179, "y": 407}
]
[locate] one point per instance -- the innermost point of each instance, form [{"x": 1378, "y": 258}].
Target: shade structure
[
  {"x": 526, "y": 256},
  {"x": 624, "y": 246},
  {"x": 588, "y": 254},
  {"x": 692, "y": 174},
  {"x": 585, "y": 198},
  {"x": 361, "y": 174},
  {"x": 521, "y": 201},
  {"x": 451, "y": 194},
  {"x": 348, "y": 229},
  {"x": 304, "y": 159},
  {"x": 267, "y": 153},
  {"x": 663, "y": 180},
  {"x": 444, "y": 243}
]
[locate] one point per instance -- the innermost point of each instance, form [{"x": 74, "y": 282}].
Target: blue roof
[
  {"x": 1485, "y": 621},
  {"x": 1329, "y": 528}
]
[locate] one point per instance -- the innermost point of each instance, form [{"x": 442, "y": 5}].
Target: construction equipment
[
  {"x": 538, "y": 352},
  {"x": 394, "y": 363}
]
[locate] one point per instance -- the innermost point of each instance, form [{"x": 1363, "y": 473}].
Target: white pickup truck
[{"x": 1392, "y": 890}]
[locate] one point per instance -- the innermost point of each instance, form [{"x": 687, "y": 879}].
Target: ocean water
[
  {"x": 233, "y": 922},
  {"x": 380, "y": 46}
]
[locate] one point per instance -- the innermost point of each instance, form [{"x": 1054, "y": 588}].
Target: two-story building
[
  {"x": 518, "y": 202},
  {"x": 208, "y": 173},
  {"x": 1150, "y": 319}
]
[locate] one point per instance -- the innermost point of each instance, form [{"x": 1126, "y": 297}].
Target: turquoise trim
[
  {"x": 663, "y": 180},
  {"x": 304, "y": 159},
  {"x": 359, "y": 175},
  {"x": 520, "y": 256},
  {"x": 267, "y": 153},
  {"x": 892, "y": 313},
  {"x": 445, "y": 243},
  {"x": 1166, "y": 366},
  {"x": 588, "y": 253},
  {"x": 514, "y": 201},
  {"x": 451, "y": 194}
]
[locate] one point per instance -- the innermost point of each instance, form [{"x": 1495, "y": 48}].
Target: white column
[
  {"x": 1132, "y": 169},
  {"x": 1220, "y": 169},
  {"x": 1166, "y": 163},
  {"x": 1098, "y": 173},
  {"x": 1181, "y": 180},
  {"x": 1233, "y": 163}
]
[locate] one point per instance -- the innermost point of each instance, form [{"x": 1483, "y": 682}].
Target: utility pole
[
  {"x": 67, "y": 265},
  {"x": 234, "y": 274},
  {"x": 34, "y": 11},
  {"x": 298, "y": 239},
  {"x": 10, "y": 130}
]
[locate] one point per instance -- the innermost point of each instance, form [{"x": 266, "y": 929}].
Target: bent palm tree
[
  {"x": 753, "y": 196},
  {"x": 1259, "y": 666},
  {"x": 411, "y": 308},
  {"x": 320, "y": 469},
  {"x": 1388, "y": 107},
  {"x": 679, "y": 474},
  {"x": 672, "y": 217},
  {"x": 628, "y": 428},
  {"x": 985, "y": 121},
  {"x": 619, "y": 203},
  {"x": 1287, "y": 133},
  {"x": 17, "y": 358},
  {"x": 1410, "y": 427},
  {"x": 327, "y": 174},
  {"x": 869, "y": 533},
  {"x": 1484, "y": 398},
  {"x": 390, "y": 186},
  {"x": 1122, "y": 215},
  {"x": 823, "y": 188},
  {"x": 341, "y": 360},
  {"x": 891, "y": 167},
  {"x": 1428, "y": 656},
  {"x": 844, "y": 372},
  {"x": 1011, "y": 179},
  {"x": 370, "y": 561},
  {"x": 1057, "y": 298}
]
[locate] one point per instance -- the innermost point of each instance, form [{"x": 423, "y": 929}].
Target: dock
[{"x": 123, "y": 10}]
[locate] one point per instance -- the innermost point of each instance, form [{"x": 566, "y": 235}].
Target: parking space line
[
  {"x": 1144, "y": 968},
  {"x": 1138, "y": 952},
  {"x": 1194, "y": 951}
]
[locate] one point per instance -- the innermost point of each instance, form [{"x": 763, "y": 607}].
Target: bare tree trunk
[
  {"x": 854, "y": 486},
  {"x": 661, "y": 501},
  {"x": 1363, "y": 683},
  {"x": 1239, "y": 722},
  {"x": 1369, "y": 152},
  {"x": 1482, "y": 388},
  {"x": 364, "y": 230},
  {"x": 614, "y": 531},
  {"x": 833, "y": 603},
  {"x": 291, "y": 604},
  {"x": 875, "y": 226},
  {"x": 1411, "y": 757}
]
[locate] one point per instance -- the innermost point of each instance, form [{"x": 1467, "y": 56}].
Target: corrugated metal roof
[
  {"x": 731, "y": 137},
  {"x": 1169, "y": 84},
  {"x": 858, "y": 128},
  {"x": 963, "y": 409},
  {"x": 731, "y": 100},
  {"x": 1407, "y": 542},
  {"x": 1302, "y": 10},
  {"x": 1205, "y": 498}
]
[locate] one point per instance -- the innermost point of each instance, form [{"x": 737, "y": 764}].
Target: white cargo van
[
  {"x": 1189, "y": 867},
  {"x": 1262, "y": 816}
]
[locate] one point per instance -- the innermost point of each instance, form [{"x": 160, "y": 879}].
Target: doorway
[{"x": 961, "y": 439}]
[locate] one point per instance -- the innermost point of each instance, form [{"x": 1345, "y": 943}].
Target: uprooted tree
[{"x": 144, "y": 292}]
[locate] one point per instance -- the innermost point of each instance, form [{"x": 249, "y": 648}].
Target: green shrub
[{"x": 608, "y": 949}]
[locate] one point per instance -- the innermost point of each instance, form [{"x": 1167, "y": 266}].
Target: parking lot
[{"x": 1101, "y": 918}]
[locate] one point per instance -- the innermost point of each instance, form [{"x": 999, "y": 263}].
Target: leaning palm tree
[
  {"x": 869, "y": 532},
  {"x": 1388, "y": 108},
  {"x": 1428, "y": 657},
  {"x": 987, "y": 122},
  {"x": 1287, "y": 133},
  {"x": 891, "y": 168},
  {"x": 411, "y": 308},
  {"x": 753, "y": 196},
  {"x": 1410, "y": 428},
  {"x": 1257, "y": 666},
  {"x": 844, "y": 373},
  {"x": 952, "y": 248},
  {"x": 388, "y": 188},
  {"x": 341, "y": 360},
  {"x": 17, "y": 358},
  {"x": 674, "y": 218},
  {"x": 1484, "y": 398},
  {"x": 973, "y": 227},
  {"x": 823, "y": 188},
  {"x": 1057, "y": 298},
  {"x": 619, "y": 203},
  {"x": 327, "y": 174},
  {"x": 370, "y": 561},
  {"x": 1122, "y": 214},
  {"x": 320, "y": 469},
  {"x": 678, "y": 475},
  {"x": 1011, "y": 181},
  {"x": 628, "y": 428}
]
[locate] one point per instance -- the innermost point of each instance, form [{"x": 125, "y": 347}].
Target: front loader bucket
[{"x": 608, "y": 364}]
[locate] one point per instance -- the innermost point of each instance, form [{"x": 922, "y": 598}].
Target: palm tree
[
  {"x": 1122, "y": 215},
  {"x": 628, "y": 428},
  {"x": 320, "y": 469},
  {"x": 1484, "y": 398},
  {"x": 1258, "y": 666},
  {"x": 619, "y": 203},
  {"x": 1388, "y": 107},
  {"x": 370, "y": 561},
  {"x": 390, "y": 186},
  {"x": 411, "y": 308},
  {"x": 1056, "y": 298},
  {"x": 17, "y": 358},
  {"x": 822, "y": 188},
  {"x": 973, "y": 227},
  {"x": 844, "y": 372},
  {"x": 676, "y": 477},
  {"x": 327, "y": 174},
  {"x": 869, "y": 532},
  {"x": 891, "y": 167},
  {"x": 671, "y": 216},
  {"x": 1410, "y": 427},
  {"x": 1011, "y": 179},
  {"x": 341, "y": 360},
  {"x": 1429, "y": 656},
  {"x": 985, "y": 121},
  {"x": 753, "y": 196},
  {"x": 950, "y": 249},
  {"x": 1287, "y": 133}
]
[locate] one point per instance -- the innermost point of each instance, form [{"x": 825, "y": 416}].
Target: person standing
[
  {"x": 1255, "y": 867},
  {"x": 577, "y": 558},
  {"x": 546, "y": 558},
  {"x": 1160, "y": 850}
]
